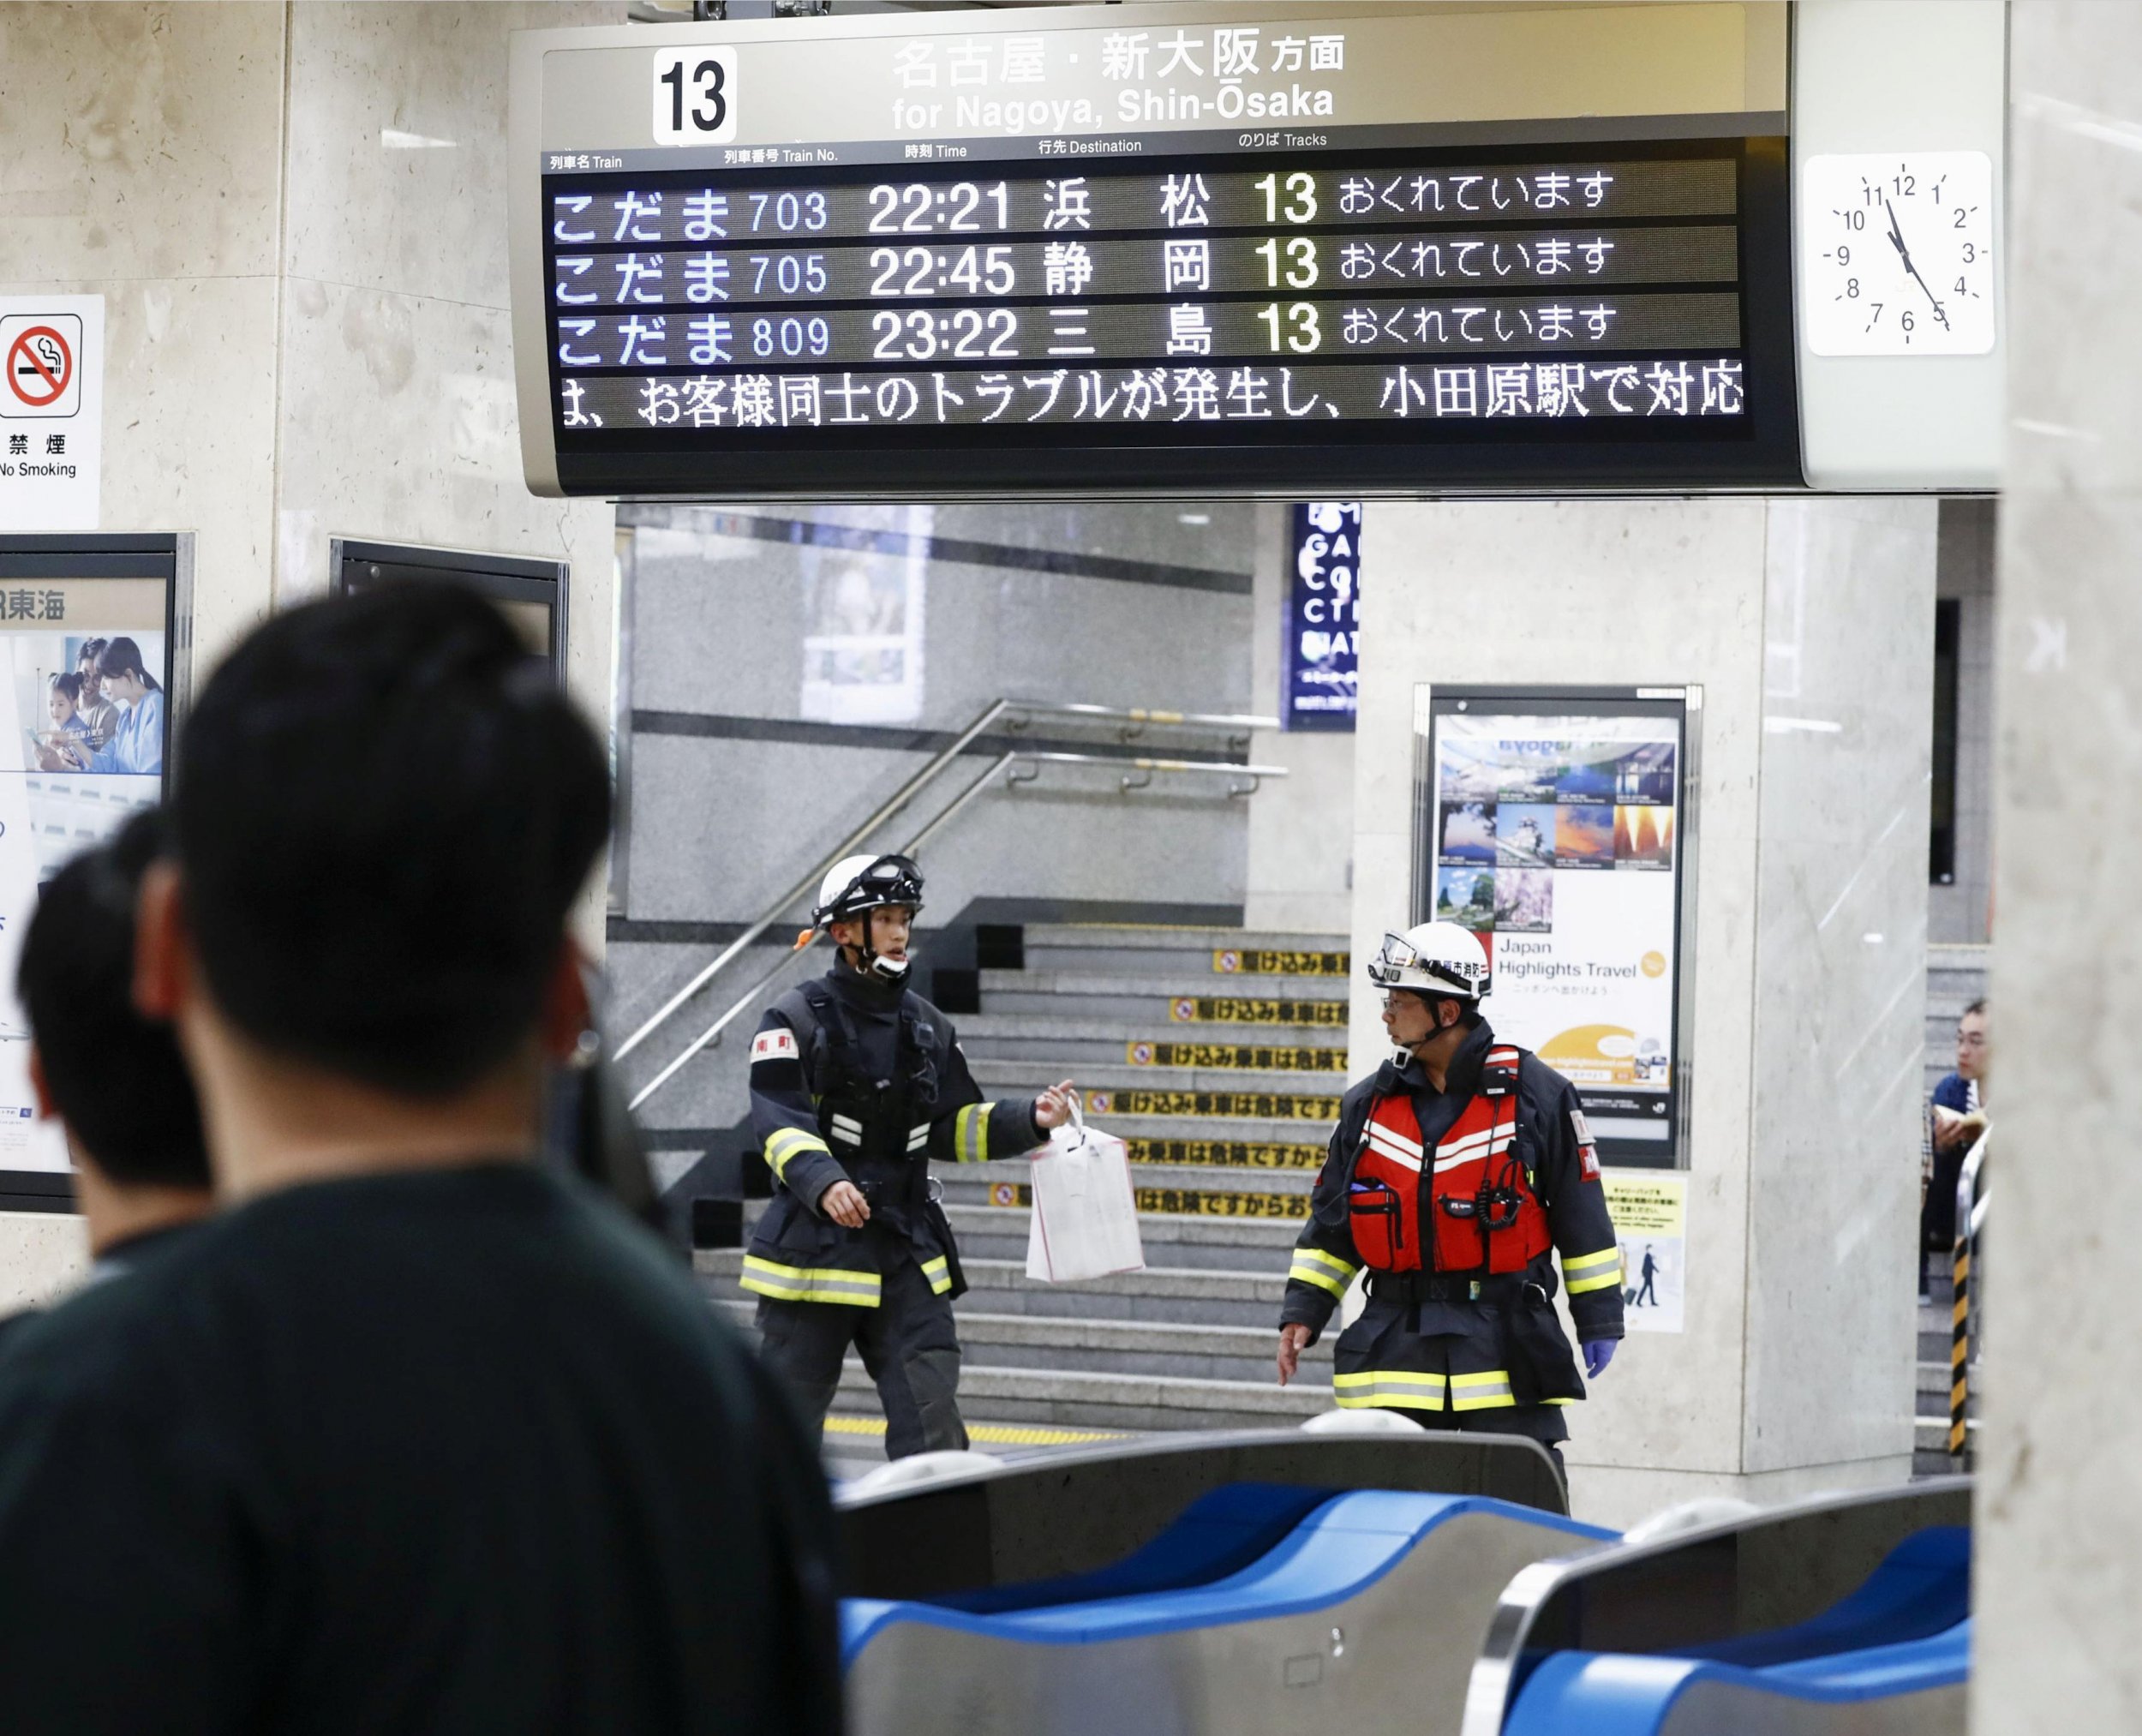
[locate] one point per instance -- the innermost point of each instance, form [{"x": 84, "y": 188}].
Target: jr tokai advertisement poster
[
  {"x": 83, "y": 664},
  {"x": 1554, "y": 835}
]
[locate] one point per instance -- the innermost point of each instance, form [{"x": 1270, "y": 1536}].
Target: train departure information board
[{"x": 1153, "y": 251}]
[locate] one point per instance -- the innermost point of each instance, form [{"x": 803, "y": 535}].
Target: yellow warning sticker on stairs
[
  {"x": 1227, "y": 1154},
  {"x": 1262, "y": 1105},
  {"x": 1255, "y": 1057},
  {"x": 1191, "y": 1203},
  {"x": 1269, "y": 962},
  {"x": 1232, "y": 1010}
]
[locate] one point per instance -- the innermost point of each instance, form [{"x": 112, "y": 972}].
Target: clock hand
[{"x": 1896, "y": 240}]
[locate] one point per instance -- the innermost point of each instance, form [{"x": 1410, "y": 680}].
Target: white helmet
[
  {"x": 1436, "y": 958},
  {"x": 858, "y": 884}
]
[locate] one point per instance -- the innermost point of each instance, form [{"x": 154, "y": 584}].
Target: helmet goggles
[
  {"x": 1400, "y": 964},
  {"x": 889, "y": 879}
]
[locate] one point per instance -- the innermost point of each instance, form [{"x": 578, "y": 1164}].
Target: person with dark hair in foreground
[
  {"x": 115, "y": 1080},
  {"x": 415, "y": 1437}
]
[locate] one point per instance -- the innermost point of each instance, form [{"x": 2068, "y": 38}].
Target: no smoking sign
[
  {"x": 42, "y": 360},
  {"x": 52, "y": 411}
]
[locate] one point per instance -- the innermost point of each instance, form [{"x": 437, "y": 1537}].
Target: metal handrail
[
  {"x": 1138, "y": 717},
  {"x": 1971, "y": 1217},
  {"x": 1228, "y": 769},
  {"x": 713, "y": 1033},
  {"x": 900, "y": 798}
]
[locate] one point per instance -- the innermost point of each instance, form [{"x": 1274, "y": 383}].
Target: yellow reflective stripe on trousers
[
  {"x": 783, "y": 1143},
  {"x": 1481, "y": 1391},
  {"x": 815, "y": 1285},
  {"x": 971, "y": 1133},
  {"x": 939, "y": 1272},
  {"x": 1321, "y": 1270},
  {"x": 1396, "y": 1390},
  {"x": 1589, "y": 1272}
]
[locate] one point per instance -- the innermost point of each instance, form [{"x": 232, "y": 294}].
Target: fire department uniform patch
[{"x": 773, "y": 1045}]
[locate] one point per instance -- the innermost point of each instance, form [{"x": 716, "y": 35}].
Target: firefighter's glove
[{"x": 1598, "y": 1353}]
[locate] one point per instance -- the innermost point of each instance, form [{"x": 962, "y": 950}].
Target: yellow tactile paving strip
[{"x": 988, "y": 1434}]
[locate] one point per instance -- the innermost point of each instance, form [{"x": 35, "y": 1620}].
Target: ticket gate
[
  {"x": 1843, "y": 1614},
  {"x": 1261, "y": 1580},
  {"x": 1265, "y": 1609},
  {"x": 1079, "y": 1510}
]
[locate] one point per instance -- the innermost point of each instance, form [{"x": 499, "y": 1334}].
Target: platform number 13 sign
[{"x": 694, "y": 96}]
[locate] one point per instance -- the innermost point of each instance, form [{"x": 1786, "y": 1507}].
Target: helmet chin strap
[
  {"x": 1437, "y": 1029},
  {"x": 870, "y": 962}
]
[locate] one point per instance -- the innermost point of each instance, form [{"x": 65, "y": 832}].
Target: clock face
[{"x": 1896, "y": 253}]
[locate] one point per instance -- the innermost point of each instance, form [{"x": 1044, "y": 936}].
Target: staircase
[{"x": 1219, "y": 1055}]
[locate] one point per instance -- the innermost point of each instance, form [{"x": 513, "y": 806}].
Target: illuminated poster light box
[{"x": 1555, "y": 823}]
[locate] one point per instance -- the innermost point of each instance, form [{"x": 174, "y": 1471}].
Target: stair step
[
  {"x": 1129, "y": 1402},
  {"x": 1014, "y": 1078},
  {"x": 1206, "y": 1242},
  {"x": 1161, "y": 937},
  {"x": 1114, "y": 1347},
  {"x": 1239, "y": 1154},
  {"x": 1166, "y": 1005},
  {"x": 995, "y": 1185},
  {"x": 1144, "y": 981},
  {"x": 1108, "y": 1049},
  {"x": 1930, "y": 1434},
  {"x": 1935, "y": 1379},
  {"x": 1151, "y": 1025},
  {"x": 1287, "y": 1131},
  {"x": 1159, "y": 1293},
  {"x": 1183, "y": 1244}
]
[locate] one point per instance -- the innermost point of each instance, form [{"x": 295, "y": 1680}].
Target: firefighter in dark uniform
[
  {"x": 1455, "y": 1176},
  {"x": 857, "y": 1082}
]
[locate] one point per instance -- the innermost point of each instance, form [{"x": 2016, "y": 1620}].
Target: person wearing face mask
[
  {"x": 1456, "y": 1174},
  {"x": 857, "y": 1083}
]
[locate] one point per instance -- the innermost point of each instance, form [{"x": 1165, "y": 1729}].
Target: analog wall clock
[{"x": 1896, "y": 253}]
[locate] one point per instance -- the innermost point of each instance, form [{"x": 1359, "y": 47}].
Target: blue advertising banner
[{"x": 1322, "y": 617}]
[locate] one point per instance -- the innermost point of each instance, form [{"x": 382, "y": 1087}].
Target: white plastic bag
[{"x": 1086, "y": 1216}]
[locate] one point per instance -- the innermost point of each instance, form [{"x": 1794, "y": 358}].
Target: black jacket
[{"x": 854, "y": 1080}]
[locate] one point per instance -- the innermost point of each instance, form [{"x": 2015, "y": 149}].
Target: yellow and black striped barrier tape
[
  {"x": 1258, "y": 1057},
  {"x": 1226, "y": 1154},
  {"x": 1262, "y": 1105},
  {"x": 1185, "y": 1202},
  {"x": 1959, "y": 1355},
  {"x": 1256, "y": 961},
  {"x": 1235, "y": 1009}
]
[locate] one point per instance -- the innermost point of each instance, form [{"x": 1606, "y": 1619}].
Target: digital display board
[
  {"x": 1554, "y": 825},
  {"x": 1146, "y": 249}
]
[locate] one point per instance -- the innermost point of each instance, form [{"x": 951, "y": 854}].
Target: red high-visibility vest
[{"x": 1472, "y": 1199}]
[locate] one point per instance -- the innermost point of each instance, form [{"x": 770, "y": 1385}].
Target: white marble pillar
[
  {"x": 1809, "y": 624},
  {"x": 1301, "y": 826},
  {"x": 2059, "y": 1562}
]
